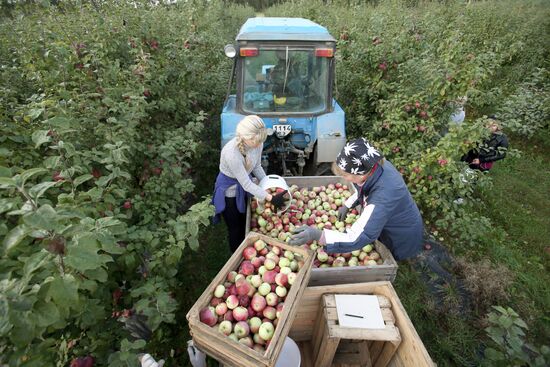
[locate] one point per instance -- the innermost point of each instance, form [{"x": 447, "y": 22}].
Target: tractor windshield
[{"x": 285, "y": 80}]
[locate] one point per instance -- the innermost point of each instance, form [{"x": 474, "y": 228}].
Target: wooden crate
[
  {"x": 410, "y": 352},
  {"x": 378, "y": 345},
  {"x": 226, "y": 350},
  {"x": 345, "y": 274}
]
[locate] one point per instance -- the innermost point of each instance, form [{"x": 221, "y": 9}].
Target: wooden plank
[
  {"x": 389, "y": 333},
  {"x": 327, "y": 350},
  {"x": 229, "y": 352},
  {"x": 305, "y": 353},
  {"x": 383, "y": 301},
  {"x": 387, "y": 353},
  {"x": 387, "y": 315}
]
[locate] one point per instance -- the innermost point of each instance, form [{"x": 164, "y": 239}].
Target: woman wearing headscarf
[{"x": 389, "y": 212}]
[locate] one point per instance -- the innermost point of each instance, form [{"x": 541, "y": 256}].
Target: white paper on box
[{"x": 364, "y": 306}]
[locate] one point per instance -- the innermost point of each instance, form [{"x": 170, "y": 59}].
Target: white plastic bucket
[
  {"x": 290, "y": 355},
  {"x": 275, "y": 181}
]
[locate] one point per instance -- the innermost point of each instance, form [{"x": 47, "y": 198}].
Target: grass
[{"x": 518, "y": 204}]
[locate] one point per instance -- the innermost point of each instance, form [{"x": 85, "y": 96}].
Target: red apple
[{"x": 208, "y": 316}]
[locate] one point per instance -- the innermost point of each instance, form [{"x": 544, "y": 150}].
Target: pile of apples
[
  {"x": 248, "y": 305},
  {"x": 316, "y": 206}
]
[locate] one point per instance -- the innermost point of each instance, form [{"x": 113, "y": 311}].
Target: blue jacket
[{"x": 389, "y": 214}]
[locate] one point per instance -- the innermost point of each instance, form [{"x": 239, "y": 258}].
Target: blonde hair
[{"x": 251, "y": 128}]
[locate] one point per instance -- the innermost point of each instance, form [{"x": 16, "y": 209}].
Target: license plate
[{"x": 282, "y": 130}]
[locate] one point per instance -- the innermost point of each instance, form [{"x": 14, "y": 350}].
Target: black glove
[
  {"x": 342, "y": 212},
  {"x": 278, "y": 200},
  {"x": 305, "y": 234}
]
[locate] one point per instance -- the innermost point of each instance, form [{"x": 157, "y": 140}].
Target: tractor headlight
[{"x": 230, "y": 51}]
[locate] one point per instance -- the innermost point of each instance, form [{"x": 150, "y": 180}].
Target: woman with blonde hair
[
  {"x": 388, "y": 213},
  {"x": 239, "y": 159}
]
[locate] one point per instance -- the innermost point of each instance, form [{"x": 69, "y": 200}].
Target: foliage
[
  {"x": 507, "y": 331},
  {"x": 527, "y": 110},
  {"x": 103, "y": 111}
]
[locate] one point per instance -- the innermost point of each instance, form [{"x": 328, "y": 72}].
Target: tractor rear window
[{"x": 285, "y": 80}]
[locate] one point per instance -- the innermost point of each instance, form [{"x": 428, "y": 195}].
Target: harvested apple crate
[
  {"x": 409, "y": 352},
  {"x": 245, "y": 314},
  {"x": 320, "y": 208}
]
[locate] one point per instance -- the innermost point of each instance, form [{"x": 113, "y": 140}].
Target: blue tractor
[{"x": 284, "y": 72}]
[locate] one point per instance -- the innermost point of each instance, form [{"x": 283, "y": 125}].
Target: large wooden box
[
  {"x": 411, "y": 350},
  {"x": 228, "y": 351},
  {"x": 346, "y": 274}
]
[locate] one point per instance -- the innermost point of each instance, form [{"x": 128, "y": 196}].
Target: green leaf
[
  {"x": 40, "y": 137},
  {"x": 5, "y": 172},
  {"x": 7, "y": 182},
  {"x": 6, "y": 205},
  {"x": 14, "y": 237},
  {"x": 63, "y": 290},
  {"x": 43, "y": 218},
  {"x": 81, "y": 179},
  {"x": 35, "y": 262},
  {"x": 193, "y": 243},
  {"x": 5, "y": 325},
  {"x": 25, "y": 175},
  {"x": 39, "y": 189},
  {"x": 83, "y": 254},
  {"x": 45, "y": 313}
]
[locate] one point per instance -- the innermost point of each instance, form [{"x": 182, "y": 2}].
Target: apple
[
  {"x": 266, "y": 331},
  {"x": 258, "y": 303},
  {"x": 231, "y": 276},
  {"x": 243, "y": 287},
  {"x": 269, "y": 264},
  {"x": 264, "y": 289},
  {"x": 281, "y": 291},
  {"x": 247, "y": 268},
  {"x": 270, "y": 313},
  {"x": 242, "y": 329},
  {"x": 219, "y": 291},
  {"x": 322, "y": 256},
  {"x": 249, "y": 252},
  {"x": 208, "y": 316},
  {"x": 247, "y": 340},
  {"x": 281, "y": 279},
  {"x": 256, "y": 280},
  {"x": 269, "y": 276},
  {"x": 232, "y": 302},
  {"x": 367, "y": 248},
  {"x": 225, "y": 327},
  {"x": 254, "y": 324},
  {"x": 272, "y": 299},
  {"x": 291, "y": 277},
  {"x": 233, "y": 337},
  {"x": 244, "y": 300},
  {"x": 221, "y": 309},
  {"x": 240, "y": 313},
  {"x": 257, "y": 338}
]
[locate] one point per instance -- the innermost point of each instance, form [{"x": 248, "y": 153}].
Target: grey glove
[
  {"x": 305, "y": 234},
  {"x": 342, "y": 212}
]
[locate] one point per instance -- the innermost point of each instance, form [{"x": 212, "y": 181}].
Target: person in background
[
  {"x": 491, "y": 150},
  {"x": 389, "y": 212},
  {"x": 240, "y": 158}
]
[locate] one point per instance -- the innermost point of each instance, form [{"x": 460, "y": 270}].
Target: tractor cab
[{"x": 283, "y": 71}]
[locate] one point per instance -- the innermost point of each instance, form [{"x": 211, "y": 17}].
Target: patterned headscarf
[{"x": 358, "y": 157}]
